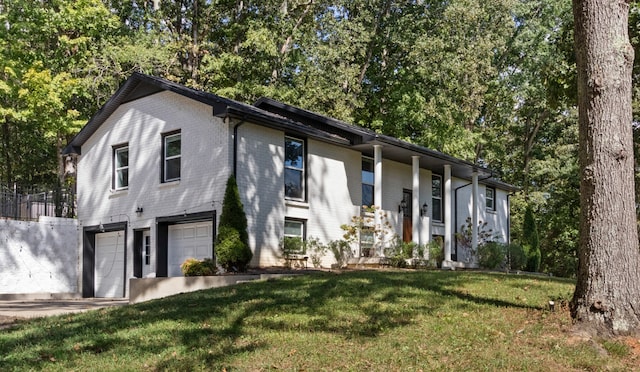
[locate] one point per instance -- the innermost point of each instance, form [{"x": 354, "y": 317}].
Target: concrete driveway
[{"x": 13, "y": 309}]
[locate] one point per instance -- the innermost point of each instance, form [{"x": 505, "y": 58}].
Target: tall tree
[{"x": 607, "y": 296}]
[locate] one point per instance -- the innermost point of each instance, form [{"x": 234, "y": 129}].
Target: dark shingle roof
[{"x": 291, "y": 119}]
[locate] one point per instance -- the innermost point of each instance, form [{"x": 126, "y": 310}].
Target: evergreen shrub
[
  {"x": 232, "y": 244},
  {"x": 492, "y": 255}
]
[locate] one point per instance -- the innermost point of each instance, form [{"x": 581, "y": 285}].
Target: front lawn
[{"x": 361, "y": 320}]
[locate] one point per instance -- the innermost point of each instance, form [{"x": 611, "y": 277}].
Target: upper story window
[
  {"x": 490, "y": 198},
  {"x": 367, "y": 182},
  {"x": 171, "y": 156},
  {"x": 120, "y": 179},
  {"x": 294, "y": 167},
  {"x": 436, "y": 197}
]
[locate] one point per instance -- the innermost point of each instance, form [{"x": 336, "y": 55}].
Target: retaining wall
[{"x": 39, "y": 258}]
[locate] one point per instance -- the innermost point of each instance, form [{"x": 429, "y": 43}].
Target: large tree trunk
[{"x": 607, "y": 297}]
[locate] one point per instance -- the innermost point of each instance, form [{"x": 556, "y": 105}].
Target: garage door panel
[
  {"x": 192, "y": 240},
  {"x": 109, "y": 264}
]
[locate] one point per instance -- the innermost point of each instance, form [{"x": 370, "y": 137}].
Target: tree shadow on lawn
[{"x": 216, "y": 324}]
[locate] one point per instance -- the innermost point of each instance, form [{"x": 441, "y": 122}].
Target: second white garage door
[{"x": 191, "y": 240}]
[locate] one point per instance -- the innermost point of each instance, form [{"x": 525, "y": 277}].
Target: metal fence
[{"x": 30, "y": 203}]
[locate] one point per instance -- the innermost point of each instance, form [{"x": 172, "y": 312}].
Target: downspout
[
  {"x": 235, "y": 146},
  {"x": 509, "y": 216}
]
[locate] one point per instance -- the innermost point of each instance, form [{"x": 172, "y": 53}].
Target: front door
[{"x": 407, "y": 220}]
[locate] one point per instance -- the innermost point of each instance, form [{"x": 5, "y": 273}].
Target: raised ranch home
[{"x": 152, "y": 166}]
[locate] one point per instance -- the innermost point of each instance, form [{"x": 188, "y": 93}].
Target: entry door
[
  {"x": 146, "y": 254},
  {"x": 407, "y": 220}
]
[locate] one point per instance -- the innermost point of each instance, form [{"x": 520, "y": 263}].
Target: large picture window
[
  {"x": 171, "y": 156},
  {"x": 436, "y": 197},
  {"x": 294, "y": 165},
  {"x": 367, "y": 182},
  {"x": 120, "y": 167}
]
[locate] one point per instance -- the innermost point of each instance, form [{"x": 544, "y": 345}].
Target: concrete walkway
[{"x": 40, "y": 308}]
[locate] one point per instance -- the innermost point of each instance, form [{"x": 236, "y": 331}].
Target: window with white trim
[
  {"x": 120, "y": 167},
  {"x": 294, "y": 236},
  {"x": 147, "y": 250},
  {"x": 171, "y": 156},
  {"x": 490, "y": 198},
  {"x": 367, "y": 181},
  {"x": 436, "y": 197},
  {"x": 294, "y": 167}
]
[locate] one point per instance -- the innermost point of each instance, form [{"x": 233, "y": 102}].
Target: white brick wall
[
  {"x": 333, "y": 177},
  {"x": 205, "y": 164},
  {"x": 39, "y": 257}
]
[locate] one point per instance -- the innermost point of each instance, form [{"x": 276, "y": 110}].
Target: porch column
[
  {"x": 474, "y": 211},
  {"x": 447, "y": 216},
  {"x": 377, "y": 187},
  {"x": 415, "y": 202}
]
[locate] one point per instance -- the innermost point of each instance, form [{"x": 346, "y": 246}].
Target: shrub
[
  {"x": 232, "y": 243},
  {"x": 341, "y": 251},
  {"x": 492, "y": 255},
  {"x": 436, "y": 252},
  {"x": 533, "y": 259},
  {"x": 233, "y": 253},
  {"x": 290, "y": 245},
  {"x": 531, "y": 240},
  {"x": 316, "y": 251},
  {"x": 517, "y": 257},
  {"x": 194, "y": 267},
  {"x": 399, "y": 252}
]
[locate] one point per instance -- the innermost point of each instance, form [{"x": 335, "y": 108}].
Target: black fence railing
[{"x": 28, "y": 204}]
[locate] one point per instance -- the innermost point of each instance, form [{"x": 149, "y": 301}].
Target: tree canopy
[{"x": 491, "y": 81}]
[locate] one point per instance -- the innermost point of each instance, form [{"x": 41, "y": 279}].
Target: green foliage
[
  {"x": 193, "y": 267},
  {"x": 517, "y": 257},
  {"x": 492, "y": 255},
  {"x": 231, "y": 252},
  {"x": 316, "y": 251},
  {"x": 530, "y": 240},
  {"x": 436, "y": 251},
  {"x": 232, "y": 247},
  {"x": 453, "y": 76},
  {"x": 533, "y": 259},
  {"x": 465, "y": 235},
  {"x": 290, "y": 247},
  {"x": 383, "y": 234},
  {"x": 341, "y": 250}
]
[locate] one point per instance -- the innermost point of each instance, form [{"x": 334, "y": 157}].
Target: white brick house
[{"x": 154, "y": 161}]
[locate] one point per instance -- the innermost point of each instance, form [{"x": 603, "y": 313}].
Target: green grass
[{"x": 355, "y": 321}]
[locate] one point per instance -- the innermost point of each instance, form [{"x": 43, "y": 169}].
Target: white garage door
[
  {"x": 109, "y": 265},
  {"x": 191, "y": 240}
]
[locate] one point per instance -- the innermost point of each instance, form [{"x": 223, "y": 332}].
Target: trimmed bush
[
  {"x": 436, "y": 252},
  {"x": 491, "y": 255},
  {"x": 194, "y": 267},
  {"x": 232, "y": 244},
  {"x": 517, "y": 257},
  {"x": 233, "y": 254},
  {"x": 533, "y": 259}
]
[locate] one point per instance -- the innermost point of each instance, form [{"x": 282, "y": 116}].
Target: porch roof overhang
[{"x": 363, "y": 140}]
